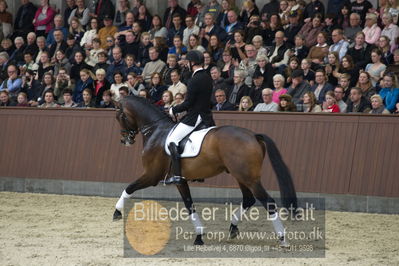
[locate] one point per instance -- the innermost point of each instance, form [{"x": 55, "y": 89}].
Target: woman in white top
[
  {"x": 193, "y": 43},
  {"x": 157, "y": 29},
  {"x": 91, "y": 34},
  {"x": 376, "y": 68},
  {"x": 371, "y": 29},
  {"x": 118, "y": 78}
]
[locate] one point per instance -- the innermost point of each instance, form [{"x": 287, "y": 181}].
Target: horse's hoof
[
  {"x": 117, "y": 215},
  {"x": 198, "y": 241},
  {"x": 233, "y": 231}
]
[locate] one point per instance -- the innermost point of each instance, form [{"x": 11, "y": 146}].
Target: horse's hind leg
[
  {"x": 247, "y": 201},
  {"x": 184, "y": 191},
  {"x": 143, "y": 182},
  {"x": 270, "y": 205}
]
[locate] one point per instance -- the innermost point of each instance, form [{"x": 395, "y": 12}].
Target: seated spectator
[
  {"x": 70, "y": 6},
  {"x": 298, "y": 87},
  {"x": 23, "y": 19},
  {"x": 311, "y": 29},
  {"x": 61, "y": 62},
  {"x": 77, "y": 66},
  {"x": 293, "y": 27},
  {"x": 118, "y": 65},
  {"x": 293, "y": 64},
  {"x": 364, "y": 83},
  {"x": 143, "y": 56},
  {"x": 347, "y": 66},
  {"x": 217, "y": 82},
  {"x": 390, "y": 30},
  {"x": 256, "y": 90},
  {"x": 106, "y": 31},
  {"x": 344, "y": 82},
  {"x": 31, "y": 45},
  {"x": 300, "y": 50},
  {"x": 313, "y": 8},
  {"x": 257, "y": 41},
  {"x": 339, "y": 44},
  {"x": 67, "y": 99},
  {"x": 360, "y": 51},
  {"x": 329, "y": 26},
  {"x": 45, "y": 65},
  {"x": 376, "y": 67},
  {"x": 208, "y": 63},
  {"x": 76, "y": 29},
  {"x": 249, "y": 63},
  {"x": 59, "y": 44},
  {"x": 162, "y": 48},
  {"x": 124, "y": 92},
  {"x": 127, "y": 23},
  {"x": 173, "y": 8},
  {"x": 43, "y": 20},
  {"x": 62, "y": 83},
  {"x": 49, "y": 100},
  {"x": 320, "y": 51},
  {"x": 13, "y": 83},
  {"x": 395, "y": 66},
  {"x": 265, "y": 69},
  {"x": 377, "y": 105},
  {"x": 157, "y": 29},
  {"x": 278, "y": 84},
  {"x": 194, "y": 43},
  {"x": 134, "y": 84},
  {"x": 7, "y": 46},
  {"x": 384, "y": 46},
  {"x": 221, "y": 102},
  {"x": 390, "y": 91},
  {"x": 17, "y": 56},
  {"x": 354, "y": 27},
  {"x": 120, "y": 14},
  {"x": 41, "y": 45},
  {"x": 156, "y": 87},
  {"x": 331, "y": 67},
  {"x": 239, "y": 89},
  {"x": 271, "y": 28},
  {"x": 31, "y": 86},
  {"x": 357, "y": 103},
  {"x": 104, "y": 10},
  {"x": 72, "y": 48},
  {"x": 310, "y": 103},
  {"x": 101, "y": 84},
  {"x": 107, "y": 101},
  {"x": 177, "y": 86},
  {"x": 92, "y": 55},
  {"x": 286, "y": 104},
  {"x": 155, "y": 65},
  {"x": 81, "y": 12},
  {"x": 308, "y": 74},
  {"x": 268, "y": 105},
  {"x": 90, "y": 34},
  {"x": 339, "y": 94},
  {"x": 22, "y": 100},
  {"x": 248, "y": 10},
  {"x": 279, "y": 52},
  {"x": 118, "y": 82},
  {"x": 210, "y": 29},
  {"x": 84, "y": 82},
  {"x": 191, "y": 9},
  {"x": 166, "y": 102},
  {"x": 102, "y": 62},
  {"x": 29, "y": 63},
  {"x": 227, "y": 66},
  {"x": 5, "y": 99},
  {"x": 215, "y": 48},
  {"x": 87, "y": 101},
  {"x": 321, "y": 87},
  {"x": 371, "y": 30},
  {"x": 330, "y": 105},
  {"x": 178, "y": 48},
  {"x": 222, "y": 19},
  {"x": 233, "y": 25},
  {"x": 246, "y": 104},
  {"x": 177, "y": 29},
  {"x": 131, "y": 43},
  {"x": 171, "y": 65},
  {"x": 190, "y": 29}
]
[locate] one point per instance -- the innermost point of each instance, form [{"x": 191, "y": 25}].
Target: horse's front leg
[
  {"x": 146, "y": 180},
  {"x": 184, "y": 191}
]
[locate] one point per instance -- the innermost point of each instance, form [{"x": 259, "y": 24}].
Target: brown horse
[{"x": 219, "y": 153}]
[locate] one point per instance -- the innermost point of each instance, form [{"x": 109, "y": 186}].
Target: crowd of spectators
[{"x": 288, "y": 55}]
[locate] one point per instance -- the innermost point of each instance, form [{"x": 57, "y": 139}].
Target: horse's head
[{"x": 129, "y": 128}]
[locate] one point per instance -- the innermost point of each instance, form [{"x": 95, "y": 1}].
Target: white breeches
[{"x": 180, "y": 131}]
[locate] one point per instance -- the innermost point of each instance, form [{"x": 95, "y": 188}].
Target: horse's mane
[{"x": 146, "y": 106}]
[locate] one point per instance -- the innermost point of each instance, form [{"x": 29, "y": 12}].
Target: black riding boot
[{"x": 176, "y": 177}]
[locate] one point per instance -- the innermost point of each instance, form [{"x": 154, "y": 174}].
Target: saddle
[{"x": 190, "y": 146}]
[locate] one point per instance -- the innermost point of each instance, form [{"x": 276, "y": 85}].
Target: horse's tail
[{"x": 287, "y": 189}]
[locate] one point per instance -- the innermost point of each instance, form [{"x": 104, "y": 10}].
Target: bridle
[{"x": 129, "y": 135}]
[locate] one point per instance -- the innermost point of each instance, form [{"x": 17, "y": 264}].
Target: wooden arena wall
[{"x": 327, "y": 153}]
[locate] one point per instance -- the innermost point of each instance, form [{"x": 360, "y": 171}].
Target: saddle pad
[{"x": 193, "y": 144}]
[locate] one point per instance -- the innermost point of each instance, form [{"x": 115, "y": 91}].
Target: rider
[{"x": 198, "y": 107}]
